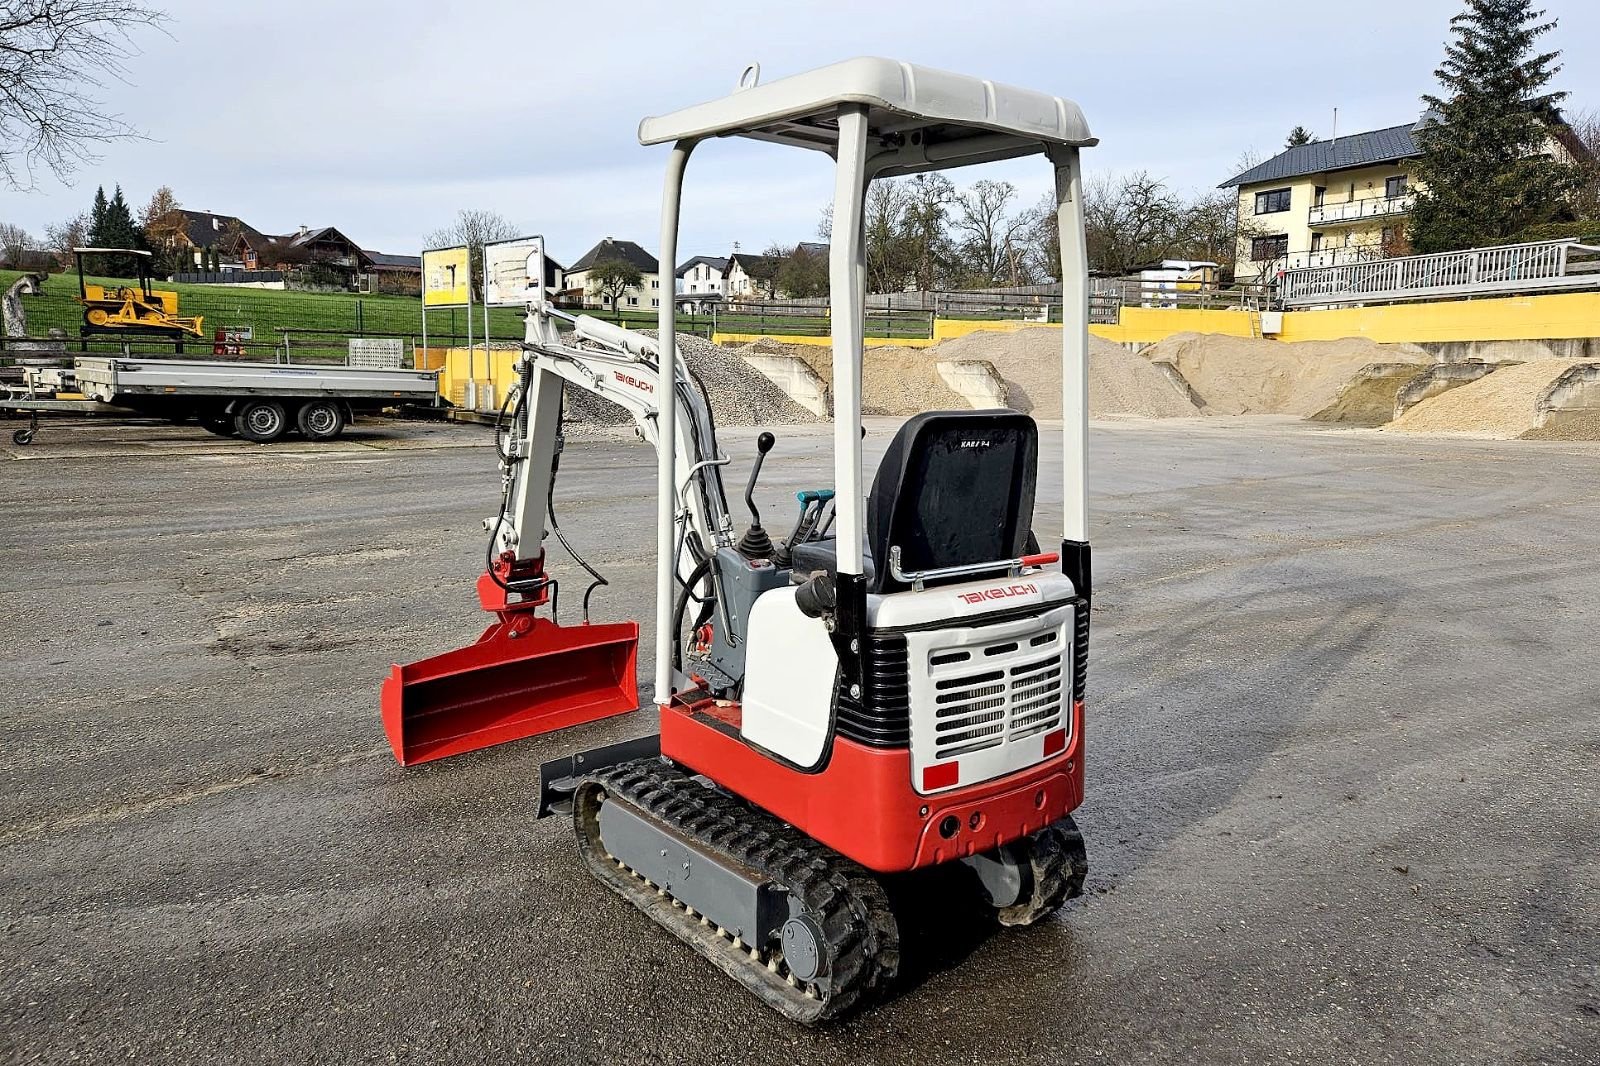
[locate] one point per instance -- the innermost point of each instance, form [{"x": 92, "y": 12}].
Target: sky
[{"x": 384, "y": 117}]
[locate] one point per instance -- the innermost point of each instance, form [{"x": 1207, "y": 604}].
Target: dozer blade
[{"x": 506, "y": 687}]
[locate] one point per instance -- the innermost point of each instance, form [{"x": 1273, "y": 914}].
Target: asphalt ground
[{"x": 1343, "y": 767}]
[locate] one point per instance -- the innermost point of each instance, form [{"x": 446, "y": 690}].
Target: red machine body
[{"x": 862, "y": 803}]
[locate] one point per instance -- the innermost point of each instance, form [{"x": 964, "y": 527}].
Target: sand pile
[
  {"x": 894, "y": 380},
  {"x": 1120, "y": 382},
  {"x": 1240, "y": 375},
  {"x": 1368, "y": 399},
  {"x": 1513, "y": 402}
]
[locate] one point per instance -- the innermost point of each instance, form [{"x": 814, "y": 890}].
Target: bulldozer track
[{"x": 846, "y": 902}]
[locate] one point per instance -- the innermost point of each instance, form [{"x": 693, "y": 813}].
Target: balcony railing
[
  {"x": 1327, "y": 257},
  {"x": 1369, "y": 207},
  {"x": 1510, "y": 268}
]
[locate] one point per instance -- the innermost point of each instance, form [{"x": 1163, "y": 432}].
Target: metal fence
[{"x": 1510, "y": 268}]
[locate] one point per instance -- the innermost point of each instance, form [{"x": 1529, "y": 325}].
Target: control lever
[{"x": 755, "y": 544}]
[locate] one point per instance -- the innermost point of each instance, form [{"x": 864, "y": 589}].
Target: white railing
[
  {"x": 1359, "y": 210},
  {"x": 1327, "y": 257},
  {"x": 1506, "y": 268}
]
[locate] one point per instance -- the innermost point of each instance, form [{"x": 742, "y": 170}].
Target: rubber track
[
  {"x": 1058, "y": 864},
  {"x": 843, "y": 898}
]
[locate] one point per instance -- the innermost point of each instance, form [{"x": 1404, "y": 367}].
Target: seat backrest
[{"x": 955, "y": 487}]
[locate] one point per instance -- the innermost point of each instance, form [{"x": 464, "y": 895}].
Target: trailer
[{"x": 259, "y": 402}]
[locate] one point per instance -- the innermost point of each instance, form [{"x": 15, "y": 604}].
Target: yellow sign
[{"x": 445, "y": 278}]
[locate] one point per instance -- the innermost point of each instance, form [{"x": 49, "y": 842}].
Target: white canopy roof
[{"x": 944, "y": 119}]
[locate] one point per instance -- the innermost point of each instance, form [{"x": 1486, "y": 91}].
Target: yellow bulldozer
[{"x": 130, "y": 308}]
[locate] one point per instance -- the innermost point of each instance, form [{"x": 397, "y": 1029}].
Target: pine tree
[
  {"x": 1298, "y": 136},
  {"x": 97, "y": 218},
  {"x": 118, "y": 230},
  {"x": 1486, "y": 175}
]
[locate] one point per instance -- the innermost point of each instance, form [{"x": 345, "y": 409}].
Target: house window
[
  {"x": 655, "y": 303},
  {"x": 633, "y": 301},
  {"x": 1395, "y": 186},
  {"x": 1316, "y": 242},
  {"x": 655, "y": 284},
  {"x": 1272, "y": 201},
  {"x": 1318, "y": 195},
  {"x": 1266, "y": 249}
]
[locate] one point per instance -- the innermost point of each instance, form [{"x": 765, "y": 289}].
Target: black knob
[{"x": 765, "y": 442}]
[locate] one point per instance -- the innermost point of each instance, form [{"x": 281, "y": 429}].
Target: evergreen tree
[
  {"x": 1483, "y": 141},
  {"x": 97, "y": 218},
  {"x": 120, "y": 231},
  {"x": 1298, "y": 136}
]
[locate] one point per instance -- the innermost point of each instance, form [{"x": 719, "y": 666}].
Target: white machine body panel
[
  {"x": 788, "y": 683},
  {"x": 988, "y": 694}
]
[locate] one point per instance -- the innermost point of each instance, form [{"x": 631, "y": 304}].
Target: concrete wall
[
  {"x": 796, "y": 378},
  {"x": 974, "y": 380}
]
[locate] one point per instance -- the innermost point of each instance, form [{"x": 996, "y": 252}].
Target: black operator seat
[{"x": 954, "y": 487}]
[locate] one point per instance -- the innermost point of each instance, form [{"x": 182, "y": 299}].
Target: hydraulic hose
[{"x": 681, "y": 607}]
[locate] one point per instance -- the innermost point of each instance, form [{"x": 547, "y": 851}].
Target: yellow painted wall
[{"x": 1550, "y": 317}]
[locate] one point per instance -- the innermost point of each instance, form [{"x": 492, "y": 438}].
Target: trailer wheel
[
  {"x": 320, "y": 420},
  {"x": 22, "y": 437},
  {"x": 261, "y": 421}
]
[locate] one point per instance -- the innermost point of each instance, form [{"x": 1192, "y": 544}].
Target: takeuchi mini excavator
[{"x": 895, "y": 683}]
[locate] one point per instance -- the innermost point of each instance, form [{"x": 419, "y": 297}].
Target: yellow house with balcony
[
  {"x": 1345, "y": 200},
  {"x": 1326, "y": 203}
]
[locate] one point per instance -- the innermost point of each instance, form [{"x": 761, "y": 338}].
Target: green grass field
[{"x": 326, "y": 319}]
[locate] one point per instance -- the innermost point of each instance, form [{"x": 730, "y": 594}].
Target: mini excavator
[{"x": 894, "y": 685}]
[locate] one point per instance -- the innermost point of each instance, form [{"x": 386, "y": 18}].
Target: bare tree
[
  {"x": 991, "y": 236},
  {"x": 612, "y": 278},
  {"x": 802, "y": 273},
  {"x": 1586, "y": 202},
  {"x": 15, "y": 243},
  {"x": 55, "y": 58},
  {"x": 62, "y": 237},
  {"x": 474, "y": 229},
  {"x": 163, "y": 224}
]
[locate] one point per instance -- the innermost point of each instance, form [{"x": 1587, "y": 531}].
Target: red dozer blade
[{"x": 506, "y": 687}]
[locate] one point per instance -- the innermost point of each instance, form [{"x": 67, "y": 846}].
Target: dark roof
[
  {"x": 384, "y": 261},
  {"x": 763, "y": 267},
  {"x": 610, "y": 249},
  {"x": 812, "y": 248},
  {"x": 717, "y": 263},
  {"x": 205, "y": 229},
  {"x": 1357, "y": 150}
]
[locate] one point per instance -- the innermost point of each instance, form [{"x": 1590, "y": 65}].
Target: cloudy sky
[{"x": 383, "y": 117}]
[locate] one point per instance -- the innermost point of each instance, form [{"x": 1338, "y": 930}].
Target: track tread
[
  {"x": 845, "y": 900},
  {"x": 1059, "y": 863}
]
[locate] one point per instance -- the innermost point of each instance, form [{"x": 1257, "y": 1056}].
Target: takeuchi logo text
[{"x": 1002, "y": 592}]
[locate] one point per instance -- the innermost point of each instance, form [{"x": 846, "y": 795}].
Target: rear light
[
  {"x": 940, "y": 775},
  {"x": 1055, "y": 742}
]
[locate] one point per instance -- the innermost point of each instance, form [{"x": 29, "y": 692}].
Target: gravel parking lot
[{"x": 1343, "y": 796}]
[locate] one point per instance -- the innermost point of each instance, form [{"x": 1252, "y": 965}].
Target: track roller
[{"x": 805, "y": 929}]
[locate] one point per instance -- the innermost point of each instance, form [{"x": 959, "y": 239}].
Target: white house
[{"x": 645, "y": 296}]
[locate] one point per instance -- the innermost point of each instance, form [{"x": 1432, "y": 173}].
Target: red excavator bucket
[{"x": 506, "y": 687}]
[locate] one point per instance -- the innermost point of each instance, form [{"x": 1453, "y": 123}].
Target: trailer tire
[
  {"x": 261, "y": 421},
  {"x": 22, "y": 437},
  {"x": 320, "y": 420}
]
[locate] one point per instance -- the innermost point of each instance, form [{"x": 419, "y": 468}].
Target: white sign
[{"x": 513, "y": 272}]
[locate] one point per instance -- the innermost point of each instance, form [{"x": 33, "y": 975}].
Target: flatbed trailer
[{"x": 260, "y": 402}]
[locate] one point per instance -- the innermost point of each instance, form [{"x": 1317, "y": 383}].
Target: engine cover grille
[{"x": 989, "y": 695}]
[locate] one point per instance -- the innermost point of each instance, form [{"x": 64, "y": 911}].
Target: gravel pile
[
  {"x": 1029, "y": 360},
  {"x": 739, "y": 394},
  {"x": 1505, "y": 405},
  {"x": 1241, "y": 375}
]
